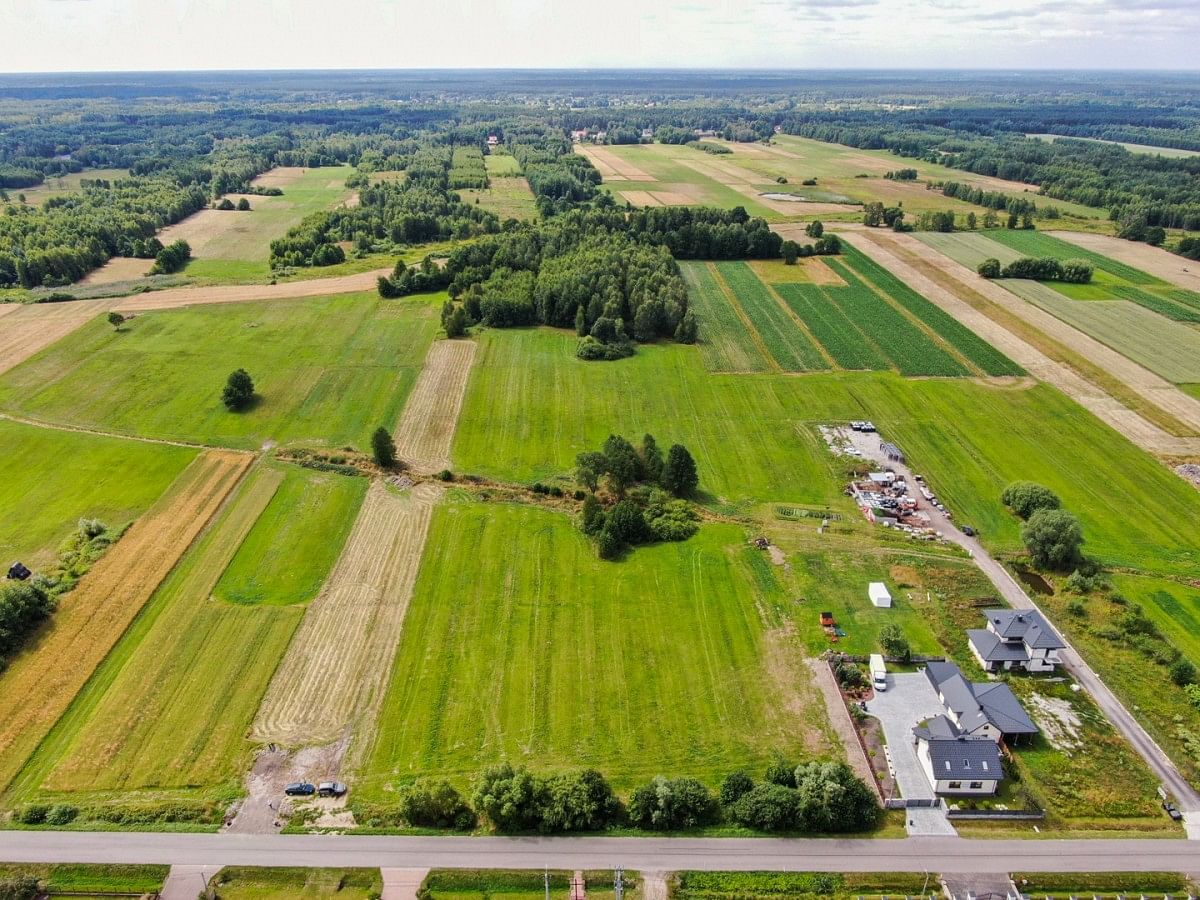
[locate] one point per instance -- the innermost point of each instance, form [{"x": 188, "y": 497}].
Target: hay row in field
[
  {"x": 340, "y": 660},
  {"x": 430, "y": 416},
  {"x": 41, "y": 683}
]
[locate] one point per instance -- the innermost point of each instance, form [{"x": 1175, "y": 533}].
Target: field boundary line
[
  {"x": 79, "y": 429},
  {"x": 791, "y": 313},
  {"x": 772, "y": 362}
]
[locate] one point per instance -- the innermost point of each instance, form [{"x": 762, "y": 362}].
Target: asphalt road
[{"x": 923, "y": 854}]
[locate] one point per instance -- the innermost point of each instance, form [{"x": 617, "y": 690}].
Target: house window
[
  {"x": 976, "y": 785},
  {"x": 955, "y": 785}
]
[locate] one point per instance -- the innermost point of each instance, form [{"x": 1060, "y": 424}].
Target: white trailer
[
  {"x": 878, "y": 672},
  {"x": 878, "y": 593}
]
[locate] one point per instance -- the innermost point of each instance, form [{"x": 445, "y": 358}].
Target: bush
[
  {"x": 833, "y": 799},
  {"x": 62, "y": 814},
  {"x": 781, "y": 772},
  {"x": 1025, "y": 498},
  {"x": 1182, "y": 672},
  {"x": 576, "y": 801},
  {"x": 243, "y": 205},
  {"x": 433, "y": 803},
  {"x": 19, "y": 887},
  {"x": 989, "y": 268},
  {"x": 508, "y": 797},
  {"x": 894, "y": 643},
  {"x": 33, "y": 814},
  {"x": 669, "y": 805},
  {"x": 767, "y": 807},
  {"x": 444, "y": 475},
  {"x": 735, "y": 786},
  {"x": 24, "y": 605},
  {"x": 592, "y": 349}
]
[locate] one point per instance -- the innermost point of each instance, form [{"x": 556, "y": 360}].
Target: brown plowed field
[
  {"x": 610, "y": 166},
  {"x": 339, "y": 663},
  {"x": 1153, "y": 260},
  {"x": 43, "y": 680},
  {"x": 24, "y": 330},
  {"x": 430, "y": 415},
  {"x": 1131, "y": 424}
]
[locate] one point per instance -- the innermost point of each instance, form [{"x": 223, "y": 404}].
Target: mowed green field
[
  {"x": 508, "y": 197},
  {"x": 169, "y": 709},
  {"x": 671, "y": 661},
  {"x": 51, "y": 479},
  {"x": 235, "y": 246},
  {"x": 327, "y": 370},
  {"x": 64, "y": 185},
  {"x": 754, "y": 439}
]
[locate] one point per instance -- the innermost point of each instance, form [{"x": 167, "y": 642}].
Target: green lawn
[
  {"x": 247, "y": 883},
  {"x": 508, "y": 197},
  {"x": 520, "y": 644},
  {"x": 151, "y": 720},
  {"x": 51, "y": 479},
  {"x": 754, "y": 439},
  {"x": 293, "y": 545},
  {"x": 75, "y": 880},
  {"x": 327, "y": 371}
]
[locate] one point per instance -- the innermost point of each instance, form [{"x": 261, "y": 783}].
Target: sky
[{"x": 126, "y": 35}]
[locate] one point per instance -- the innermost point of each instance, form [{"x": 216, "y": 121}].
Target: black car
[
  {"x": 968, "y": 531},
  {"x": 300, "y": 789},
  {"x": 1172, "y": 810}
]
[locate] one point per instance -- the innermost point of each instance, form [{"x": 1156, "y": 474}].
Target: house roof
[
  {"x": 965, "y": 757},
  {"x": 1025, "y": 625},
  {"x": 991, "y": 648},
  {"x": 977, "y": 704},
  {"x": 937, "y": 728}
]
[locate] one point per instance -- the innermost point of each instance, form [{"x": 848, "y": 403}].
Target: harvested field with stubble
[
  {"x": 340, "y": 660},
  {"x": 38, "y": 687},
  {"x": 611, "y": 166},
  {"x": 1154, "y": 260},
  {"x": 25, "y": 330},
  {"x": 426, "y": 427}
]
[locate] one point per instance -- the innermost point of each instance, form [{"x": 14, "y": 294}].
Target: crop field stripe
[
  {"x": 178, "y": 719},
  {"x": 727, "y": 340},
  {"x": 737, "y": 307},
  {"x": 340, "y": 659},
  {"x": 1035, "y": 243},
  {"x": 828, "y": 322},
  {"x": 786, "y": 342},
  {"x": 38, "y": 687},
  {"x": 1178, "y": 306},
  {"x": 426, "y": 427},
  {"x": 912, "y": 347},
  {"x": 971, "y": 347}
]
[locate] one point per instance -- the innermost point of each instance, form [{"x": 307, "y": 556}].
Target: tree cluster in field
[
  {"x": 875, "y": 214},
  {"x": 171, "y": 258},
  {"x": 1070, "y": 271},
  {"x": 994, "y": 200},
  {"x": 648, "y": 491},
  {"x": 419, "y": 279},
  {"x": 25, "y": 605},
  {"x": 821, "y": 798},
  {"x": 1053, "y": 536},
  {"x": 709, "y": 147},
  {"x": 20, "y": 887},
  {"x": 901, "y": 175}
]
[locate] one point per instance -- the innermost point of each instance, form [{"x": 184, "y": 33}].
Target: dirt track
[
  {"x": 430, "y": 415},
  {"x": 1153, "y": 260},
  {"x": 1139, "y": 430},
  {"x": 39, "y": 685},
  {"x": 338, "y": 665}
]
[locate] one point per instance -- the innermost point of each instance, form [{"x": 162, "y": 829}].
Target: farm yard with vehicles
[{"x": 492, "y": 476}]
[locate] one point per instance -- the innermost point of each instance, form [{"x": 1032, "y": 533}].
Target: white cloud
[{"x": 100, "y": 35}]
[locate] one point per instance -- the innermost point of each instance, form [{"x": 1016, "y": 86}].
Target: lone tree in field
[
  {"x": 243, "y": 205},
  {"x": 239, "y": 391},
  {"x": 789, "y": 250},
  {"x": 1025, "y": 498},
  {"x": 1053, "y": 538},
  {"x": 383, "y": 447},
  {"x": 116, "y": 320},
  {"x": 989, "y": 268},
  {"x": 815, "y": 229},
  {"x": 679, "y": 473}
]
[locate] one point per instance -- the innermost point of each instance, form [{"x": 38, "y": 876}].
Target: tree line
[{"x": 1070, "y": 271}]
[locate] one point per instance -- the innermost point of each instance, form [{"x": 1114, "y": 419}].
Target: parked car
[
  {"x": 968, "y": 531},
  {"x": 331, "y": 789},
  {"x": 1172, "y": 810},
  {"x": 300, "y": 789}
]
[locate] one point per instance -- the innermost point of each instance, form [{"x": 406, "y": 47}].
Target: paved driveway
[{"x": 910, "y": 699}]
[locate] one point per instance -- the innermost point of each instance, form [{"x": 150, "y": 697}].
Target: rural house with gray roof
[{"x": 1016, "y": 639}]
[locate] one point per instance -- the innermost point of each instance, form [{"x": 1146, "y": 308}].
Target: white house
[
  {"x": 879, "y": 595},
  {"x": 1016, "y": 639},
  {"x": 985, "y": 709},
  {"x": 958, "y": 763}
]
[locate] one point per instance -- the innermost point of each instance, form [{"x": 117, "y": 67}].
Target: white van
[{"x": 878, "y": 672}]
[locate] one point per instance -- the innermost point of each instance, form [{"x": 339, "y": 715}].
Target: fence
[{"x": 1019, "y": 815}]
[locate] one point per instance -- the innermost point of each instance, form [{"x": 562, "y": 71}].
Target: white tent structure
[{"x": 879, "y": 595}]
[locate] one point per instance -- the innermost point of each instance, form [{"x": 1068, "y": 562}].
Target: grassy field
[
  {"x": 674, "y": 661},
  {"x": 293, "y": 545},
  {"x": 60, "y": 186},
  {"x": 507, "y": 197},
  {"x": 51, "y": 479},
  {"x": 150, "y": 719},
  {"x": 485, "y": 884},
  {"x": 235, "y": 246},
  {"x": 769, "y": 885},
  {"x": 728, "y": 343},
  {"x": 327, "y": 371},
  {"x": 753, "y": 438},
  {"x": 1149, "y": 149},
  {"x": 787, "y": 343},
  {"x": 76, "y": 880},
  {"x": 247, "y": 883}
]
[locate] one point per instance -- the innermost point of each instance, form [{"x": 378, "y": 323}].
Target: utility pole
[
  {"x": 547, "y": 882},
  {"x": 619, "y": 884}
]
